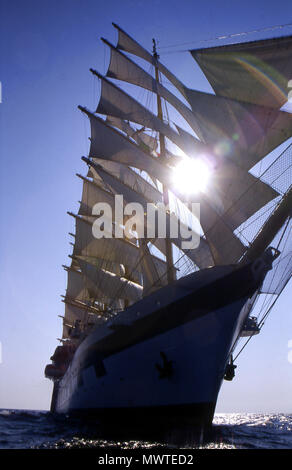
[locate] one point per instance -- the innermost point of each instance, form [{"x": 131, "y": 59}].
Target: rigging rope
[
  {"x": 222, "y": 37},
  {"x": 262, "y": 321}
]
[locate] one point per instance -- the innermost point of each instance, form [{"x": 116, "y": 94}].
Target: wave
[{"x": 41, "y": 429}]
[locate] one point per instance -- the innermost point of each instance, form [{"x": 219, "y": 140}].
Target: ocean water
[{"x": 22, "y": 429}]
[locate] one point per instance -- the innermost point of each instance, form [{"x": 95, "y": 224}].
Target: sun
[{"x": 191, "y": 176}]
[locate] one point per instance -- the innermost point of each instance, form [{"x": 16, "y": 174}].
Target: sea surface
[{"x": 23, "y": 429}]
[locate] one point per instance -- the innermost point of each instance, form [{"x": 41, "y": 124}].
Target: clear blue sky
[{"x": 47, "y": 48}]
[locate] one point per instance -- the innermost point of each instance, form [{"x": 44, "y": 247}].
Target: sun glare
[{"x": 191, "y": 176}]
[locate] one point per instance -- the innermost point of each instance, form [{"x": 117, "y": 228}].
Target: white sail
[
  {"x": 116, "y": 102},
  {"x": 200, "y": 255},
  {"x": 138, "y": 135},
  {"x": 93, "y": 194},
  {"x": 118, "y": 261},
  {"x": 128, "y": 44},
  {"x": 240, "y": 131},
  {"x": 75, "y": 286},
  {"x": 233, "y": 197},
  {"x": 258, "y": 194},
  {"x": 122, "y": 68},
  {"x": 118, "y": 187},
  {"x": 102, "y": 282},
  {"x": 117, "y": 250},
  {"x": 237, "y": 195},
  {"x": 129, "y": 177},
  {"x": 152, "y": 279},
  {"x": 72, "y": 313},
  {"x": 108, "y": 144},
  {"x": 255, "y": 72},
  {"x": 225, "y": 246},
  {"x": 189, "y": 143},
  {"x": 111, "y": 266}
]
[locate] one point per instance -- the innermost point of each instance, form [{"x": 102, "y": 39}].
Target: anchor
[{"x": 230, "y": 370}]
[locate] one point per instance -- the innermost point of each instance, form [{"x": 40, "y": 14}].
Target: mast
[
  {"x": 168, "y": 247},
  {"x": 270, "y": 228}
]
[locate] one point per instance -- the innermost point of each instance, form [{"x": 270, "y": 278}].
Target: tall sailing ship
[{"x": 152, "y": 322}]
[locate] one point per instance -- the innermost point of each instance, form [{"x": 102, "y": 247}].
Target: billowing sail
[
  {"x": 128, "y": 44},
  {"x": 226, "y": 248},
  {"x": 122, "y": 68},
  {"x": 93, "y": 194},
  {"x": 241, "y": 131},
  {"x": 127, "y": 176},
  {"x": 75, "y": 287},
  {"x": 116, "y": 102},
  {"x": 237, "y": 195},
  {"x": 255, "y": 72}
]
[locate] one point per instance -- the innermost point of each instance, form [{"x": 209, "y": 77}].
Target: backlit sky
[{"x": 47, "y": 48}]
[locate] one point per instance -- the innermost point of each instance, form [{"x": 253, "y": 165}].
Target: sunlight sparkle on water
[{"x": 191, "y": 176}]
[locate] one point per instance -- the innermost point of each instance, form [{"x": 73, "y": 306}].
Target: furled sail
[
  {"x": 139, "y": 136},
  {"x": 152, "y": 280},
  {"x": 254, "y": 72},
  {"x": 100, "y": 263},
  {"x": 105, "y": 283},
  {"x": 117, "y": 250}
]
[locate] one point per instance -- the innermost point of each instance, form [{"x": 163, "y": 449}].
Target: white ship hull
[{"x": 119, "y": 371}]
